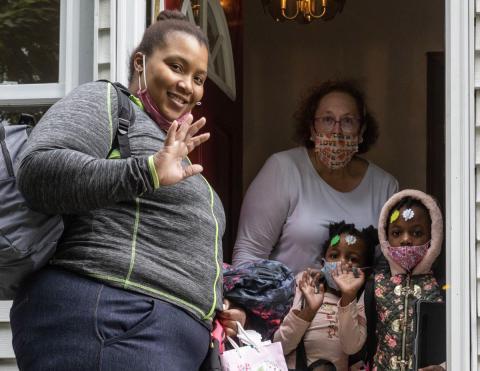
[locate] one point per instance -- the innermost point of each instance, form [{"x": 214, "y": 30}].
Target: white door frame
[
  {"x": 130, "y": 26},
  {"x": 460, "y": 186}
]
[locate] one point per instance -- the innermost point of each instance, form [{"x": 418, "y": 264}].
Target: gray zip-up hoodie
[{"x": 163, "y": 242}]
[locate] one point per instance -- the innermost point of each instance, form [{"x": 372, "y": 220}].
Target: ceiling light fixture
[{"x": 303, "y": 11}]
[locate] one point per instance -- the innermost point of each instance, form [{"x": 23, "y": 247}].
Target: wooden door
[{"x": 436, "y": 142}]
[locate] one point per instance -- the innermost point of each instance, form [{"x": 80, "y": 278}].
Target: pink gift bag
[{"x": 254, "y": 356}]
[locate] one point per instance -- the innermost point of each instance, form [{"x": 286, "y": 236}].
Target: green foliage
[
  {"x": 11, "y": 115},
  {"x": 29, "y": 40}
]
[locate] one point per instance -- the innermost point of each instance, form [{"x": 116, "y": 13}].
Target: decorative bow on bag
[{"x": 255, "y": 355}]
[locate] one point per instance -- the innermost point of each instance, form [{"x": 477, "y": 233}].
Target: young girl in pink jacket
[{"x": 327, "y": 320}]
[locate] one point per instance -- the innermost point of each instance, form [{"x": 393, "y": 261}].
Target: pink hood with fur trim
[{"x": 425, "y": 264}]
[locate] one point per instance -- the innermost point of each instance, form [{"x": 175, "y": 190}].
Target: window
[
  {"x": 29, "y": 56},
  {"x": 41, "y": 67},
  {"x": 46, "y": 50},
  {"x": 11, "y": 115}
]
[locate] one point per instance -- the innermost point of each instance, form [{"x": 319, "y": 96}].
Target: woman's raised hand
[{"x": 180, "y": 141}]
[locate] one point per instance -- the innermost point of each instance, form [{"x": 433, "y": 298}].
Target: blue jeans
[{"x": 65, "y": 322}]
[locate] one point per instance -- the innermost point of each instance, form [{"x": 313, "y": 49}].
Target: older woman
[{"x": 299, "y": 192}]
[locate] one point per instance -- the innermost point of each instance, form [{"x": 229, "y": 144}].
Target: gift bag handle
[
  {"x": 244, "y": 337},
  {"x": 232, "y": 343}
]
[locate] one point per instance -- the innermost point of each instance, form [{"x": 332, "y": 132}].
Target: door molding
[
  {"x": 460, "y": 186},
  {"x": 221, "y": 66}
]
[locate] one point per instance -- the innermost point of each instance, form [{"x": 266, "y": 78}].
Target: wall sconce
[{"x": 303, "y": 11}]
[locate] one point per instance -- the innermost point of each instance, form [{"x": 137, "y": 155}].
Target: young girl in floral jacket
[{"x": 410, "y": 235}]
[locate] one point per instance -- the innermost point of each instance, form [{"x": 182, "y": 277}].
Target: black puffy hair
[
  {"x": 304, "y": 116},
  {"x": 369, "y": 235}
]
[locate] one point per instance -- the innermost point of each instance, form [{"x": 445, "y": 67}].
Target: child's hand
[
  {"x": 348, "y": 281},
  {"x": 312, "y": 291},
  {"x": 313, "y": 294},
  {"x": 229, "y": 317}
]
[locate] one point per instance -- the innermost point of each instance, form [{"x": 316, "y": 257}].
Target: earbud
[{"x": 198, "y": 103}]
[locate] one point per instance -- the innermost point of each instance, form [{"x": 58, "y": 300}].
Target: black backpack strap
[
  {"x": 6, "y": 154},
  {"x": 361, "y": 355},
  {"x": 301, "y": 357},
  {"x": 371, "y": 315},
  {"x": 126, "y": 117}
]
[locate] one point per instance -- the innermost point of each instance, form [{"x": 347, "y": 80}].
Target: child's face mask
[
  {"x": 327, "y": 269},
  {"x": 408, "y": 256},
  {"x": 409, "y": 236}
]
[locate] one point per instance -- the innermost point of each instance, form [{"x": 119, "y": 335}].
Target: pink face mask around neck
[{"x": 150, "y": 106}]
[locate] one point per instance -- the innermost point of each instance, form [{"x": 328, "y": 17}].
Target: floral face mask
[{"x": 408, "y": 256}]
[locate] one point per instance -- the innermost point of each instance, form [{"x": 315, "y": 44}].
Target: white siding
[
  {"x": 477, "y": 165},
  {"x": 104, "y": 40},
  {"x": 7, "y": 358},
  {"x": 118, "y": 29},
  {"x": 131, "y": 23}
]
